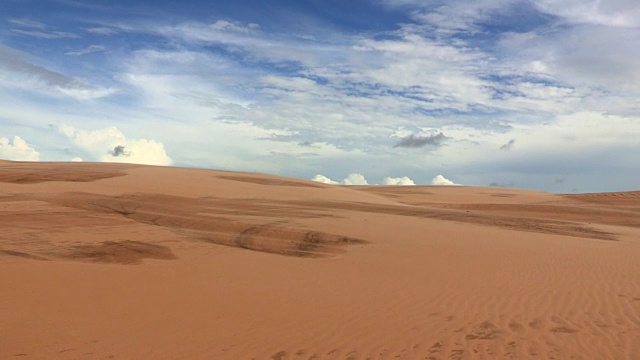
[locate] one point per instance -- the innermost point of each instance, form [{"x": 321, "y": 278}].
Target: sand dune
[{"x": 102, "y": 261}]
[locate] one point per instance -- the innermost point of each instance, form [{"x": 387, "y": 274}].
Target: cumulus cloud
[
  {"x": 355, "y": 179},
  {"x": 111, "y": 145},
  {"x": 18, "y": 150},
  {"x": 352, "y": 179},
  {"x": 417, "y": 141},
  {"x": 77, "y": 159},
  {"x": 323, "y": 179},
  {"x": 397, "y": 181},
  {"x": 359, "y": 179},
  {"x": 508, "y": 146},
  {"x": 441, "y": 180}
]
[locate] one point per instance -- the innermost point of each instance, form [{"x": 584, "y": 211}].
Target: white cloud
[
  {"x": 352, "y": 179},
  {"x": 290, "y": 84},
  {"x": 102, "y": 31},
  {"x": 397, "y": 181},
  {"x": 403, "y": 77},
  {"x": 38, "y": 30},
  {"x": 578, "y": 67},
  {"x": 434, "y": 74},
  {"x": 323, "y": 179},
  {"x": 17, "y": 150},
  {"x": 457, "y": 15},
  {"x": 77, "y": 159},
  {"x": 359, "y": 179},
  {"x": 441, "y": 180},
  {"x": 355, "y": 179},
  {"x": 111, "y": 145},
  {"x": 233, "y": 26},
  {"x": 26, "y": 23},
  {"x": 88, "y": 50},
  {"x": 220, "y": 32},
  {"x": 45, "y": 34},
  {"x": 619, "y": 13}
]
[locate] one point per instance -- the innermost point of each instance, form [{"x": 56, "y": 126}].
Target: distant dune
[{"x": 124, "y": 261}]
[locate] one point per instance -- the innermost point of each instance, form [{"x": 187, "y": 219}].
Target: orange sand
[{"x": 117, "y": 261}]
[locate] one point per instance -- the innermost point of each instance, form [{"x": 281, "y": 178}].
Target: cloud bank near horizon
[
  {"x": 111, "y": 145},
  {"x": 17, "y": 150},
  {"x": 359, "y": 179}
]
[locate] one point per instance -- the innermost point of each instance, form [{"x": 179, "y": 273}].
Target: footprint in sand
[
  {"x": 484, "y": 331},
  {"x": 435, "y": 348},
  {"x": 456, "y": 354},
  {"x": 516, "y": 327},
  {"x": 563, "y": 327},
  {"x": 279, "y": 355},
  {"x": 535, "y": 324}
]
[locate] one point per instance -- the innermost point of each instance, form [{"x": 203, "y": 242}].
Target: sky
[{"x": 532, "y": 94}]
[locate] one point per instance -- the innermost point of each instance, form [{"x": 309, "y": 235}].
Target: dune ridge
[{"x": 129, "y": 261}]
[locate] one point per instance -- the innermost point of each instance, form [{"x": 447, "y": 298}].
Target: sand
[{"x": 113, "y": 261}]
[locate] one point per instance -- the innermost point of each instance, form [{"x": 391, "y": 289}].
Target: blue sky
[{"x": 535, "y": 94}]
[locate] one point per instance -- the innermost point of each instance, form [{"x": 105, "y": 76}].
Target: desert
[{"x": 123, "y": 261}]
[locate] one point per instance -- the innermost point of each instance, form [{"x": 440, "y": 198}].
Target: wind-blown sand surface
[{"x": 112, "y": 261}]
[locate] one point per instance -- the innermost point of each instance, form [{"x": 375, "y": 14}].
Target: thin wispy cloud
[
  {"x": 26, "y": 23},
  {"x": 102, "y": 30},
  {"x": 88, "y": 50},
  {"x": 50, "y": 35},
  {"x": 614, "y": 13},
  {"x": 15, "y": 72}
]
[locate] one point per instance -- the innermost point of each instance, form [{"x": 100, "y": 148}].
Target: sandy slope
[{"x": 116, "y": 261}]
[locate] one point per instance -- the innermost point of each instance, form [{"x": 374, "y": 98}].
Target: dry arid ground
[{"x": 113, "y": 261}]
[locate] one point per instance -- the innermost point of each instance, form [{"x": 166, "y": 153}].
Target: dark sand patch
[
  {"x": 26, "y": 173},
  {"x": 627, "y": 198},
  {"x": 270, "y": 181},
  {"x": 218, "y": 221},
  {"x": 545, "y": 226},
  {"x": 122, "y": 252},
  {"x": 23, "y": 255}
]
